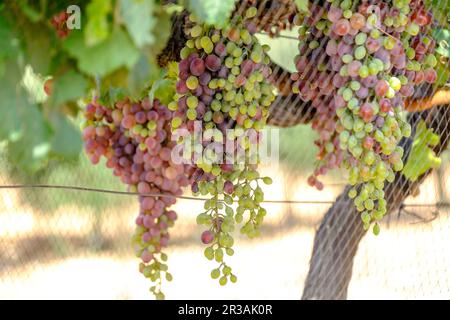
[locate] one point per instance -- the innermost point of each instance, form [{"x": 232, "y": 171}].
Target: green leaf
[
  {"x": 302, "y": 5},
  {"x": 443, "y": 72},
  {"x": 112, "y": 95},
  {"x": 66, "y": 140},
  {"x": 30, "y": 12},
  {"x": 23, "y": 124},
  {"x": 172, "y": 70},
  {"x": 8, "y": 45},
  {"x": 34, "y": 84},
  {"x": 70, "y": 86},
  {"x": 139, "y": 20},
  {"x": 213, "y": 12},
  {"x": 163, "y": 90},
  {"x": 442, "y": 37},
  {"x": 422, "y": 157},
  {"x": 440, "y": 9},
  {"x": 115, "y": 52},
  {"x": 141, "y": 76},
  {"x": 12, "y": 96},
  {"x": 30, "y": 151},
  {"x": 162, "y": 36},
  {"x": 38, "y": 47},
  {"x": 97, "y": 26}
]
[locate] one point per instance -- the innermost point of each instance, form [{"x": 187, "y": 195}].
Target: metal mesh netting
[{"x": 62, "y": 243}]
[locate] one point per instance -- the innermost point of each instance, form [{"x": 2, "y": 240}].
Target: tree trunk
[{"x": 341, "y": 230}]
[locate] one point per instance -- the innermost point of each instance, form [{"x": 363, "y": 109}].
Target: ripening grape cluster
[
  {"x": 222, "y": 88},
  {"x": 59, "y": 22},
  {"x": 135, "y": 139},
  {"x": 357, "y": 63}
]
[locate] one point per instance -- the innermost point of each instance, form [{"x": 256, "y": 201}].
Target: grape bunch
[
  {"x": 135, "y": 139},
  {"x": 223, "y": 96},
  {"x": 358, "y": 61}
]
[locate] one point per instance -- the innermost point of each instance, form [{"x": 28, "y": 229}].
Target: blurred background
[{"x": 75, "y": 244}]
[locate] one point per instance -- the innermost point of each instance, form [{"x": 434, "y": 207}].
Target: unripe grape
[
  {"x": 192, "y": 83},
  {"x": 196, "y": 31},
  {"x": 215, "y": 273},
  {"x": 360, "y": 52},
  {"x": 223, "y": 281}
]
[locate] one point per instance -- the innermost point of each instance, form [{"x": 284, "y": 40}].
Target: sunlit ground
[{"x": 59, "y": 256}]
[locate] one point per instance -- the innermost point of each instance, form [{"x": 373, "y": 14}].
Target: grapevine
[
  {"x": 369, "y": 59},
  {"x": 186, "y": 98}
]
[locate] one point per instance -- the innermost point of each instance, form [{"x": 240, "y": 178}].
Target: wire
[
  {"x": 129, "y": 193},
  {"x": 279, "y": 36}
]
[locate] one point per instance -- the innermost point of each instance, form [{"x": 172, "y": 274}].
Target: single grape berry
[{"x": 207, "y": 237}]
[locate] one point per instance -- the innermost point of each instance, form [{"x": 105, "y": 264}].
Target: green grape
[
  {"x": 360, "y": 53},
  {"x": 223, "y": 281},
  {"x": 215, "y": 273},
  {"x": 192, "y": 82},
  {"x": 347, "y": 58},
  {"x": 207, "y": 44},
  {"x": 192, "y": 102},
  {"x": 360, "y": 38},
  {"x": 196, "y": 31},
  {"x": 363, "y": 71},
  {"x": 191, "y": 114},
  {"x": 376, "y": 229},
  {"x": 218, "y": 254}
]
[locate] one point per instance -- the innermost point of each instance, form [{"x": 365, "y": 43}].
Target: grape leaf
[
  {"x": 213, "y": 12},
  {"x": 34, "y": 84},
  {"x": 162, "y": 36},
  {"x": 302, "y": 5},
  {"x": 99, "y": 60},
  {"x": 443, "y": 72},
  {"x": 139, "y": 20},
  {"x": 38, "y": 46},
  {"x": 172, "y": 70},
  {"x": 140, "y": 76},
  {"x": 8, "y": 46},
  {"x": 66, "y": 140},
  {"x": 111, "y": 95},
  {"x": 30, "y": 12},
  {"x": 10, "y": 100},
  {"x": 30, "y": 137},
  {"x": 97, "y": 26},
  {"x": 30, "y": 151},
  {"x": 442, "y": 37},
  {"x": 422, "y": 157},
  {"x": 70, "y": 86},
  {"x": 163, "y": 90},
  {"x": 441, "y": 10}
]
